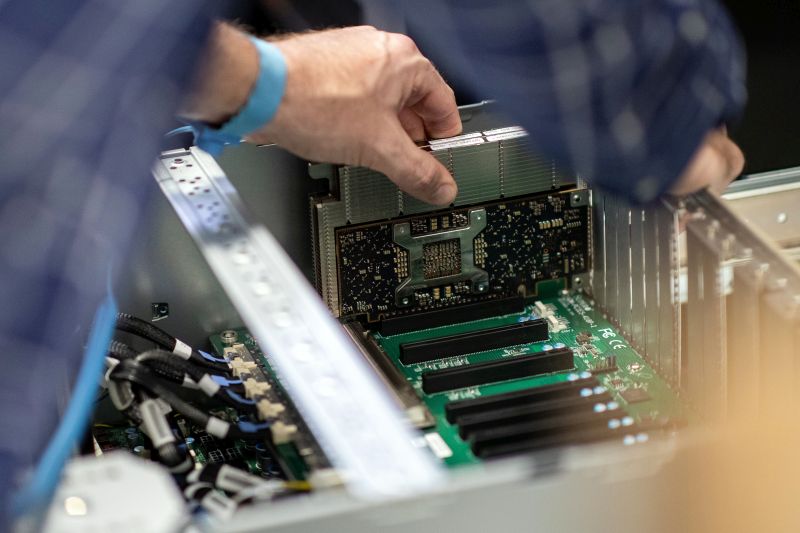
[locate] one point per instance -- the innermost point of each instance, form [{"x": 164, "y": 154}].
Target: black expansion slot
[
  {"x": 518, "y": 414},
  {"x": 557, "y": 425},
  {"x": 579, "y": 435},
  {"x": 474, "y": 341},
  {"x": 457, "y": 409},
  {"x": 451, "y": 315},
  {"x": 576, "y": 435},
  {"x": 523, "y": 366}
]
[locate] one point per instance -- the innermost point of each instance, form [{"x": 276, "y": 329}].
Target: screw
[{"x": 229, "y": 336}]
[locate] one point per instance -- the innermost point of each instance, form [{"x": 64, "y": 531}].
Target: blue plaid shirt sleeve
[
  {"x": 87, "y": 88},
  {"x": 620, "y": 91}
]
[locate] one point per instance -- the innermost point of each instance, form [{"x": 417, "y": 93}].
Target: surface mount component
[
  {"x": 635, "y": 395},
  {"x": 605, "y": 365}
]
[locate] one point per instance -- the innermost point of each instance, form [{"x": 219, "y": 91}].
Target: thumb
[{"x": 412, "y": 169}]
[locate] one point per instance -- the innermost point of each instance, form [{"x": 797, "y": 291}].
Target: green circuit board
[
  {"x": 203, "y": 448},
  {"x": 303, "y": 450},
  {"x": 575, "y": 314},
  {"x": 582, "y": 328}
]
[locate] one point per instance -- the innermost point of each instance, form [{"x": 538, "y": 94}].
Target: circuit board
[
  {"x": 631, "y": 381},
  {"x": 465, "y": 255},
  {"x": 202, "y": 448},
  {"x": 301, "y": 455}
]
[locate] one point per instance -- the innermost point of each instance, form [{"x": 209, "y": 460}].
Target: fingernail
[{"x": 445, "y": 194}]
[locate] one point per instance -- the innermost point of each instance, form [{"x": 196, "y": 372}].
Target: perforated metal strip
[{"x": 359, "y": 427}]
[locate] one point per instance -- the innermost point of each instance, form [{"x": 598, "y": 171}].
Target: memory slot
[
  {"x": 451, "y": 315},
  {"x": 522, "y": 366},
  {"x": 556, "y": 425},
  {"x": 454, "y": 410},
  {"x": 474, "y": 341},
  {"x": 519, "y": 414}
]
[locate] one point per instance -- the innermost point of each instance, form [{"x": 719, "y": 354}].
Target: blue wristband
[{"x": 259, "y": 108}]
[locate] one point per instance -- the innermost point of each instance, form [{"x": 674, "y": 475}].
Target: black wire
[
  {"x": 120, "y": 350},
  {"x": 135, "y": 373},
  {"x": 167, "y": 365},
  {"x": 141, "y": 328}
]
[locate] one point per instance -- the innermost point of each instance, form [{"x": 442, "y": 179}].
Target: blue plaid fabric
[
  {"x": 87, "y": 87},
  {"x": 620, "y": 91}
]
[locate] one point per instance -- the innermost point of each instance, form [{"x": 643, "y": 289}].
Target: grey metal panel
[
  {"x": 638, "y": 288},
  {"x": 744, "y": 345},
  {"x": 695, "y": 319},
  {"x": 714, "y": 353},
  {"x": 650, "y": 235},
  {"x": 724, "y": 235},
  {"x": 668, "y": 301},
  {"x": 165, "y": 266},
  {"x": 612, "y": 256},
  {"x": 706, "y": 317},
  {"x": 775, "y": 213},
  {"x": 624, "y": 267},
  {"x": 599, "y": 269},
  {"x": 779, "y": 332},
  {"x": 536, "y": 493}
]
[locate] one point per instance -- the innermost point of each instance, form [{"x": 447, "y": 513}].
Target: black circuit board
[{"x": 526, "y": 240}]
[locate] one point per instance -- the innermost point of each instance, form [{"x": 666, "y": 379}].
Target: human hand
[
  {"x": 360, "y": 96},
  {"x": 715, "y": 164}
]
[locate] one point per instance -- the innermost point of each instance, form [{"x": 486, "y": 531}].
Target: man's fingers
[
  {"x": 414, "y": 170},
  {"x": 732, "y": 154},
  {"x": 715, "y": 164},
  {"x": 433, "y": 100},
  {"x": 412, "y": 123}
]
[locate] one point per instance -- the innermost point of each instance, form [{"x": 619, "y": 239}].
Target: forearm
[{"x": 225, "y": 78}]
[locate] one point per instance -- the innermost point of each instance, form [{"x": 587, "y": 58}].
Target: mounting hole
[{"x": 159, "y": 310}]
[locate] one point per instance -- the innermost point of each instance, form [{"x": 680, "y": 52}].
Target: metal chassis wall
[{"x": 739, "y": 325}]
